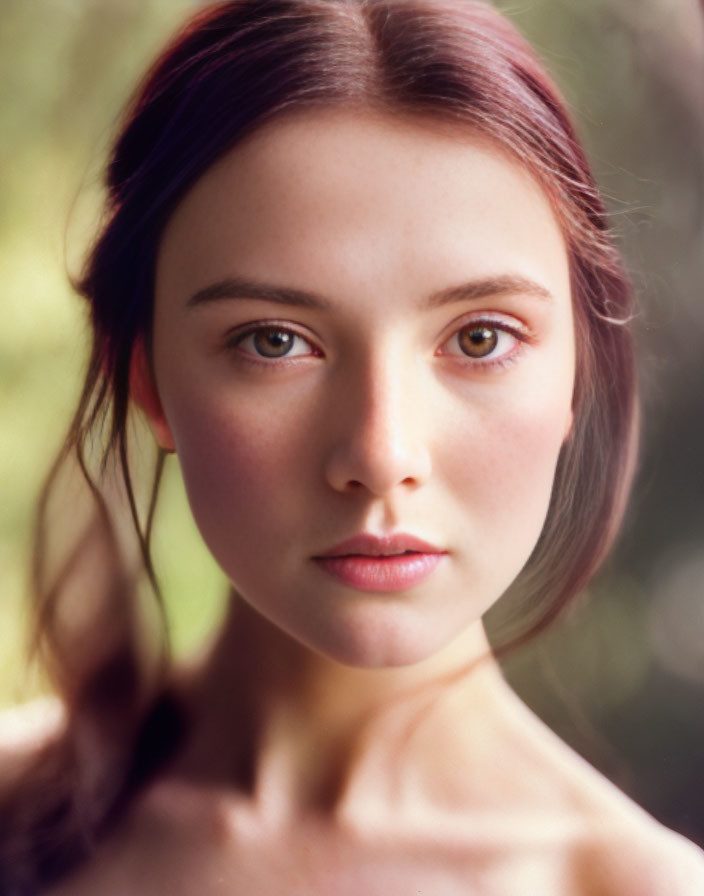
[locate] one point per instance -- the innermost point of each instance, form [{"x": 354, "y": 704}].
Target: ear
[{"x": 143, "y": 391}]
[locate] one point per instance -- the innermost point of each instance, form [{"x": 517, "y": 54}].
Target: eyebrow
[{"x": 482, "y": 288}]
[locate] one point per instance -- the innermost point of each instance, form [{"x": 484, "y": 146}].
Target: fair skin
[{"x": 348, "y": 740}]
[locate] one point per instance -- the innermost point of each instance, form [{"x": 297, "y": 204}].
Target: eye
[
  {"x": 485, "y": 341},
  {"x": 271, "y": 342}
]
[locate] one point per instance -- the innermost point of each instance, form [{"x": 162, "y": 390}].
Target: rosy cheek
[
  {"x": 504, "y": 460},
  {"x": 236, "y": 465}
]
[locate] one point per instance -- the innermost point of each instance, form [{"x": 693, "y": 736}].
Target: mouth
[
  {"x": 381, "y": 563},
  {"x": 368, "y": 545}
]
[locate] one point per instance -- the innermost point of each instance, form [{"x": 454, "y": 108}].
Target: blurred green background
[{"x": 622, "y": 678}]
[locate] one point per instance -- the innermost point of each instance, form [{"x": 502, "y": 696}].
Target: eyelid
[
  {"x": 505, "y": 323},
  {"x": 502, "y": 319},
  {"x": 509, "y": 323}
]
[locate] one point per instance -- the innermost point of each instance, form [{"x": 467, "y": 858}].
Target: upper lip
[{"x": 381, "y": 545}]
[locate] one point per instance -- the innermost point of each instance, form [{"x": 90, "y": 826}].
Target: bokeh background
[{"x": 622, "y": 678}]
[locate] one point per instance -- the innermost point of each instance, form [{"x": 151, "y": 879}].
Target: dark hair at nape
[{"x": 235, "y": 66}]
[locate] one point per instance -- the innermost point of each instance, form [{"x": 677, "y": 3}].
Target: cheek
[
  {"x": 501, "y": 469},
  {"x": 244, "y": 472}
]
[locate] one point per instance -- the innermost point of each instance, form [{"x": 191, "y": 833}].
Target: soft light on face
[{"x": 412, "y": 370}]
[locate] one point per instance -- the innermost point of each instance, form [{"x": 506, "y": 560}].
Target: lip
[
  {"x": 381, "y": 545},
  {"x": 378, "y": 563}
]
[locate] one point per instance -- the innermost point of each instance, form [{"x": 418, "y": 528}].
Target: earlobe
[{"x": 143, "y": 391}]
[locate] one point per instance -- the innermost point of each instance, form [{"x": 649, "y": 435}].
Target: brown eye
[
  {"x": 478, "y": 341},
  {"x": 273, "y": 343}
]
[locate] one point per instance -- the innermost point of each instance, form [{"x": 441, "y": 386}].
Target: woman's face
[{"x": 364, "y": 325}]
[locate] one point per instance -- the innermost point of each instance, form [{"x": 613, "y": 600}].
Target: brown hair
[{"x": 235, "y": 66}]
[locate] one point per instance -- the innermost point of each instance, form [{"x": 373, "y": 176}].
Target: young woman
[{"x": 355, "y": 274}]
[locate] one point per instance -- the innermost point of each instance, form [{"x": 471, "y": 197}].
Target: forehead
[{"x": 376, "y": 198}]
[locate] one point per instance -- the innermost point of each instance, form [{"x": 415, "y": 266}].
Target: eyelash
[
  {"x": 235, "y": 339},
  {"x": 521, "y": 336}
]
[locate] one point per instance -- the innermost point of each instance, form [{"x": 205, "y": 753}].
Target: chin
[{"x": 382, "y": 641}]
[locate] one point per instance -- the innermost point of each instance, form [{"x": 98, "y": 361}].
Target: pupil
[
  {"x": 273, "y": 343},
  {"x": 478, "y": 342}
]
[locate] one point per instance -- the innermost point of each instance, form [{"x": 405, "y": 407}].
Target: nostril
[{"x": 354, "y": 466}]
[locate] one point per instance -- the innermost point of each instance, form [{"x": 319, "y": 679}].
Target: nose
[{"x": 379, "y": 428}]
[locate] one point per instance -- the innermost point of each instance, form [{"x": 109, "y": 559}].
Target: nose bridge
[{"x": 380, "y": 437}]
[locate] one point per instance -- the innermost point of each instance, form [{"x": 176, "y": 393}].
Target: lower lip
[{"x": 380, "y": 573}]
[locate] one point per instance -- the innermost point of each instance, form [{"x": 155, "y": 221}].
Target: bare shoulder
[
  {"x": 24, "y": 730},
  {"x": 160, "y": 845},
  {"x": 618, "y": 847},
  {"x": 641, "y": 859},
  {"x": 30, "y": 724}
]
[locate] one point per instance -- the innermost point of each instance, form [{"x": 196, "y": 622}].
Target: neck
[{"x": 264, "y": 705}]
